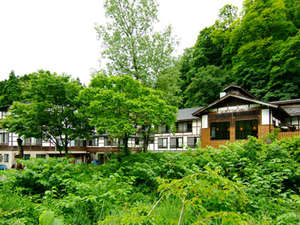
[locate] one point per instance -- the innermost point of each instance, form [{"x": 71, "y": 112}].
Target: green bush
[{"x": 248, "y": 182}]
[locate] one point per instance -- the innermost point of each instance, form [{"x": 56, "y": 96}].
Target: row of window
[
  {"x": 177, "y": 142},
  {"x": 107, "y": 142},
  {"x": 243, "y": 128},
  {"x": 181, "y": 127}
]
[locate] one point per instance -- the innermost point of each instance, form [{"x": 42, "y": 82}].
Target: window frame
[
  {"x": 217, "y": 137},
  {"x": 177, "y": 145},
  {"x": 162, "y": 141},
  {"x": 195, "y": 140},
  {"x": 243, "y": 136}
]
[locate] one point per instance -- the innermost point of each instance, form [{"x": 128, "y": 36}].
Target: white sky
[{"x": 59, "y": 35}]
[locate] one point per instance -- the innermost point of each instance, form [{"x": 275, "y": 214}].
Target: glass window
[
  {"x": 136, "y": 141},
  {"x": 4, "y": 138},
  {"x": 244, "y": 128},
  {"x": 27, "y": 141},
  {"x": 36, "y": 141},
  {"x": 151, "y": 140},
  {"x": 191, "y": 142},
  {"x": 163, "y": 142},
  {"x": 176, "y": 142},
  {"x": 6, "y": 157},
  {"x": 220, "y": 131},
  {"x": 43, "y": 156},
  {"x": 27, "y": 156},
  {"x": 182, "y": 127},
  {"x": 94, "y": 142},
  {"x": 163, "y": 129},
  {"x": 109, "y": 142}
]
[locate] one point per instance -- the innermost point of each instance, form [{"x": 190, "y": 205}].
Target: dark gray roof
[
  {"x": 292, "y": 111},
  {"x": 186, "y": 114},
  {"x": 287, "y": 102}
]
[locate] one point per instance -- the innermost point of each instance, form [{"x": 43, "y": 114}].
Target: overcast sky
[{"x": 59, "y": 35}]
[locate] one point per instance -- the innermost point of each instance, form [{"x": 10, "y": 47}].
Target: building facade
[{"x": 235, "y": 116}]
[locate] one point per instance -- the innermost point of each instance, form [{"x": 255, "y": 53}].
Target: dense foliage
[
  {"x": 47, "y": 108},
  {"x": 131, "y": 46},
  {"x": 258, "y": 51},
  {"x": 122, "y": 107},
  {"x": 242, "y": 183}
]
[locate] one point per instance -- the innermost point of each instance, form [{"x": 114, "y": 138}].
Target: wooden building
[
  {"x": 235, "y": 116},
  {"x": 238, "y": 114}
]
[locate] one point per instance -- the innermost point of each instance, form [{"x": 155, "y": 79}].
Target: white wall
[
  {"x": 266, "y": 117},
  {"x": 205, "y": 121}
]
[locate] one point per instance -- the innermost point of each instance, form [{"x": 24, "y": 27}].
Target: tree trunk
[
  {"x": 146, "y": 138},
  {"x": 20, "y": 148},
  {"x": 125, "y": 140},
  {"x": 146, "y": 142},
  {"x": 19, "y": 166},
  {"x": 59, "y": 148}
]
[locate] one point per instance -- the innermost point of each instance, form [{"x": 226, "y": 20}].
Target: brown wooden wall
[{"x": 254, "y": 114}]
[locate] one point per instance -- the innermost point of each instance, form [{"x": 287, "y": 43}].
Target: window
[
  {"x": 36, "y": 141},
  {"x": 164, "y": 129},
  {"x": 163, "y": 142},
  {"x": 244, "y": 128},
  {"x": 182, "y": 127},
  {"x": 27, "y": 156},
  {"x": 151, "y": 140},
  {"x": 94, "y": 142},
  {"x": 136, "y": 141},
  {"x": 220, "y": 131},
  {"x": 109, "y": 142},
  {"x": 27, "y": 141},
  {"x": 41, "y": 156},
  {"x": 3, "y": 138},
  {"x": 176, "y": 142},
  {"x": 191, "y": 142},
  {"x": 6, "y": 157},
  {"x": 1, "y": 158},
  {"x": 80, "y": 143}
]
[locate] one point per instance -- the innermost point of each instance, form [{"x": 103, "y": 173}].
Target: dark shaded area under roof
[
  {"x": 186, "y": 114},
  {"x": 292, "y": 111},
  {"x": 292, "y": 106}
]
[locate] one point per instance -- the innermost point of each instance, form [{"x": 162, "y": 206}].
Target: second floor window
[
  {"x": 182, "y": 127},
  {"x": 110, "y": 142},
  {"x": 164, "y": 129},
  {"x": 3, "y": 138}
]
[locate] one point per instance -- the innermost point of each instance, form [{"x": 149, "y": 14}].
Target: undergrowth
[{"x": 243, "y": 183}]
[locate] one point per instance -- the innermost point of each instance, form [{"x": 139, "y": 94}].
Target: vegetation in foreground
[{"x": 242, "y": 183}]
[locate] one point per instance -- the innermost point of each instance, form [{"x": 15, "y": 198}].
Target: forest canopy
[{"x": 258, "y": 50}]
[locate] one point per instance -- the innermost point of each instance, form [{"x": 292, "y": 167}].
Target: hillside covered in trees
[{"x": 258, "y": 50}]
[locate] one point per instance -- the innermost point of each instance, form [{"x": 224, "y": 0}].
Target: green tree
[
  {"x": 205, "y": 84},
  {"x": 48, "y": 109},
  {"x": 169, "y": 82},
  {"x": 11, "y": 89},
  {"x": 121, "y": 107},
  {"x": 131, "y": 46},
  {"x": 258, "y": 51}
]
